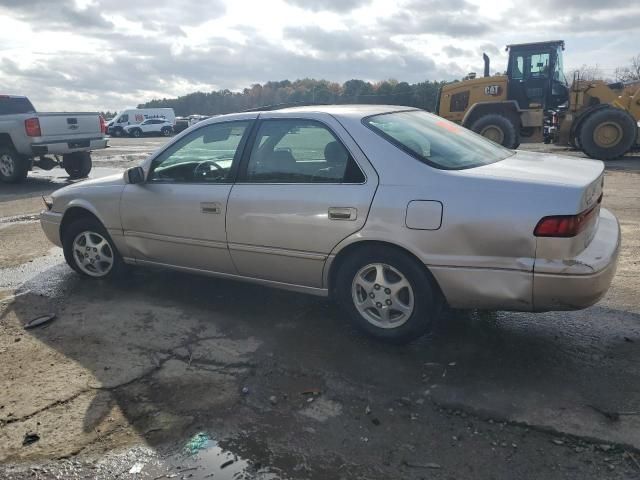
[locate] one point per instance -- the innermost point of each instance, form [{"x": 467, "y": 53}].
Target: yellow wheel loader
[{"x": 532, "y": 102}]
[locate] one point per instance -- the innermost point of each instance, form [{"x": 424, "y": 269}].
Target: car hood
[
  {"x": 542, "y": 168},
  {"x": 108, "y": 181}
]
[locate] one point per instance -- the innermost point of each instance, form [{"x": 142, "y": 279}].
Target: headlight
[{"x": 48, "y": 201}]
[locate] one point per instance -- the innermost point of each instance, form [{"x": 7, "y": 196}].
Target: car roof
[{"x": 355, "y": 110}]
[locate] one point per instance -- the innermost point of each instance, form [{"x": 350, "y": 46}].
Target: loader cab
[{"x": 535, "y": 75}]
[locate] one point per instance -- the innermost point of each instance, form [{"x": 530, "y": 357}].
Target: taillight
[
  {"x": 565, "y": 226},
  {"x": 32, "y": 127},
  {"x": 103, "y": 126}
]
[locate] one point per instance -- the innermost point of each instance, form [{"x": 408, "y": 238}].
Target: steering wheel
[{"x": 200, "y": 171}]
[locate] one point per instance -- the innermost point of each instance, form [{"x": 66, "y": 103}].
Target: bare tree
[
  {"x": 586, "y": 72},
  {"x": 630, "y": 73}
]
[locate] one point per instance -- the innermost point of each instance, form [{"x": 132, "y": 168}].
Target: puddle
[{"x": 202, "y": 458}]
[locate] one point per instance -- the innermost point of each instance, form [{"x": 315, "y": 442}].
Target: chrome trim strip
[
  {"x": 321, "y": 257},
  {"x": 178, "y": 240}
]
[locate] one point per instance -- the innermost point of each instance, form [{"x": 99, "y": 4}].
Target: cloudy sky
[{"x": 110, "y": 54}]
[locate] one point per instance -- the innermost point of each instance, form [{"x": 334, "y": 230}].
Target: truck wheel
[
  {"x": 497, "y": 128},
  {"x": 118, "y": 132},
  {"x": 387, "y": 294},
  {"x": 13, "y": 167},
  {"x": 608, "y": 133},
  {"x": 77, "y": 165}
]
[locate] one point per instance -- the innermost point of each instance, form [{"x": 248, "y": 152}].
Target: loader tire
[
  {"x": 607, "y": 134},
  {"x": 497, "y": 128}
]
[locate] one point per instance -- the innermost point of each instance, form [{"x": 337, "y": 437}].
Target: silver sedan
[{"x": 392, "y": 211}]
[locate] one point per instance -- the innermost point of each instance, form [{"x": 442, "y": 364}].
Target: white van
[{"x": 134, "y": 116}]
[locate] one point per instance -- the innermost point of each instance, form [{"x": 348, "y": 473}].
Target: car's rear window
[
  {"x": 15, "y": 105},
  {"x": 436, "y": 141}
]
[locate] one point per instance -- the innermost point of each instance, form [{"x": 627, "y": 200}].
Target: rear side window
[
  {"x": 436, "y": 141},
  {"x": 13, "y": 105},
  {"x": 300, "y": 151}
]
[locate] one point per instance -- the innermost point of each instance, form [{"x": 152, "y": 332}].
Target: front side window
[
  {"x": 300, "y": 151},
  {"x": 123, "y": 118},
  {"x": 204, "y": 156},
  {"x": 436, "y": 141},
  {"x": 539, "y": 65}
]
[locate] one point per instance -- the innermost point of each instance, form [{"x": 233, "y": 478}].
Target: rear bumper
[
  {"x": 581, "y": 281},
  {"x": 50, "y": 222},
  {"x": 69, "y": 146}
]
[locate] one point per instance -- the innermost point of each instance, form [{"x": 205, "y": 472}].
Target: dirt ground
[{"x": 169, "y": 375}]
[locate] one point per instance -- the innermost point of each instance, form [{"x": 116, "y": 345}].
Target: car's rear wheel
[
  {"x": 77, "y": 164},
  {"x": 13, "y": 167},
  {"x": 387, "y": 294},
  {"x": 89, "y": 250}
]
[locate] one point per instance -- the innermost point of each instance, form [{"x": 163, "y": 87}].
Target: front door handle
[
  {"x": 210, "y": 207},
  {"x": 342, "y": 213}
]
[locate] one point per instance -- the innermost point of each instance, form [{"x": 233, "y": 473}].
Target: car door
[
  {"x": 148, "y": 126},
  {"x": 304, "y": 185},
  {"x": 177, "y": 216}
]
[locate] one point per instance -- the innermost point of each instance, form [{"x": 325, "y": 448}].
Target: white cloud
[{"x": 106, "y": 54}]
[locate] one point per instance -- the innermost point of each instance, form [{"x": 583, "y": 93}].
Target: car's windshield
[{"x": 436, "y": 141}]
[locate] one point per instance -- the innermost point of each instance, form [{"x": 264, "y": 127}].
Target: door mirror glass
[{"x": 135, "y": 175}]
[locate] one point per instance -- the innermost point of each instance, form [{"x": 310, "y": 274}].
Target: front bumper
[
  {"x": 581, "y": 281},
  {"x": 50, "y": 222}
]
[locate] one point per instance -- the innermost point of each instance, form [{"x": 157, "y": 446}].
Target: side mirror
[{"x": 135, "y": 175}]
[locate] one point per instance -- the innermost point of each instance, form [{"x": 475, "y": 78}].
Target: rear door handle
[
  {"x": 342, "y": 213},
  {"x": 210, "y": 207}
]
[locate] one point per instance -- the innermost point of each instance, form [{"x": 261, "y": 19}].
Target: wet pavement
[{"x": 169, "y": 375}]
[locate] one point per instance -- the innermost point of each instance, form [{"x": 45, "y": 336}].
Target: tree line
[{"x": 422, "y": 95}]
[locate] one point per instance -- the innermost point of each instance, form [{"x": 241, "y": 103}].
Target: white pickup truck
[{"x": 29, "y": 139}]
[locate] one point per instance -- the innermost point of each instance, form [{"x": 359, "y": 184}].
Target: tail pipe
[{"x": 485, "y": 57}]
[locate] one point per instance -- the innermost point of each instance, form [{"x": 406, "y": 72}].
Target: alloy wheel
[
  {"x": 382, "y": 295},
  {"x": 93, "y": 254},
  {"x": 7, "y": 165}
]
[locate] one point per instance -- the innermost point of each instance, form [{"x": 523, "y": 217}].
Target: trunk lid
[{"x": 582, "y": 175}]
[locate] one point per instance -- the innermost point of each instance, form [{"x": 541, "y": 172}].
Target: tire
[
  {"x": 101, "y": 251},
  {"x": 77, "y": 164},
  {"x": 136, "y": 132},
  {"x": 608, "y": 133},
  {"x": 118, "y": 132},
  {"x": 362, "y": 267},
  {"x": 13, "y": 167},
  {"x": 165, "y": 132},
  {"x": 497, "y": 128}
]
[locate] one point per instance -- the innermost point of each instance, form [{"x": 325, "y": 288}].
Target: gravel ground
[{"x": 168, "y": 375}]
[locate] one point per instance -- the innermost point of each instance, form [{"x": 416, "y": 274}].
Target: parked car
[
  {"x": 390, "y": 210},
  {"x": 152, "y": 126},
  {"x": 181, "y": 124},
  {"x": 27, "y": 137},
  {"x": 136, "y": 116}
]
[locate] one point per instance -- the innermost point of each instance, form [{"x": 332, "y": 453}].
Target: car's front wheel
[
  {"x": 387, "y": 294},
  {"x": 89, "y": 250},
  {"x": 136, "y": 132},
  {"x": 166, "y": 132}
]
